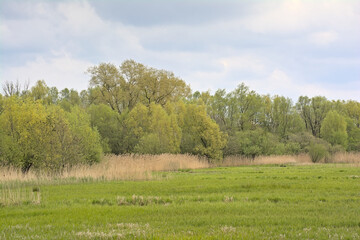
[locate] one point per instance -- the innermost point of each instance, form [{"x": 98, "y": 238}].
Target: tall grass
[
  {"x": 261, "y": 160},
  {"x": 345, "y": 157},
  {"x": 113, "y": 167},
  {"x": 140, "y": 167},
  {"x": 15, "y": 193},
  {"x": 340, "y": 157}
]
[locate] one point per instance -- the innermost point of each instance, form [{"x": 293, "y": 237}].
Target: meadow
[{"x": 269, "y": 198}]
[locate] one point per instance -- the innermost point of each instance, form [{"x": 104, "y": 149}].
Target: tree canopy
[{"x": 134, "y": 108}]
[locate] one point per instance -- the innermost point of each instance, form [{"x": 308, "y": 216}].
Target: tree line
[{"x": 134, "y": 108}]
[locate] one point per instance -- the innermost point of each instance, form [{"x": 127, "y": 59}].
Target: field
[{"x": 273, "y": 201}]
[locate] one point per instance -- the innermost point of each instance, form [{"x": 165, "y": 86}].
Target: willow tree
[
  {"x": 333, "y": 129},
  {"x": 200, "y": 134},
  {"x": 313, "y": 111},
  {"x": 122, "y": 88}
]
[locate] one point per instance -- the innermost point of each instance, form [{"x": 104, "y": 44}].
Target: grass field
[{"x": 284, "y": 201}]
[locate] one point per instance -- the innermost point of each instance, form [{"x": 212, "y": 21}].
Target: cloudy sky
[{"x": 285, "y": 47}]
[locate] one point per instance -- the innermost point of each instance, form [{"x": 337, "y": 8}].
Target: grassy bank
[{"x": 285, "y": 201}]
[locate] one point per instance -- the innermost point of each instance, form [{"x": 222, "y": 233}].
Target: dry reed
[
  {"x": 140, "y": 167},
  {"x": 345, "y": 157},
  {"x": 112, "y": 167},
  {"x": 261, "y": 160}
]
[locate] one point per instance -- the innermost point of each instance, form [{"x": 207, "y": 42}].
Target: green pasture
[{"x": 319, "y": 201}]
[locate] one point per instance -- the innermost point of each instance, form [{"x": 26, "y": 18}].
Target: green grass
[{"x": 250, "y": 202}]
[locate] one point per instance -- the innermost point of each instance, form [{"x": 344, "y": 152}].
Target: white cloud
[
  {"x": 60, "y": 70},
  {"x": 323, "y": 38},
  {"x": 299, "y": 15},
  {"x": 278, "y": 82},
  {"x": 79, "y": 18},
  {"x": 214, "y": 54},
  {"x": 244, "y": 63}
]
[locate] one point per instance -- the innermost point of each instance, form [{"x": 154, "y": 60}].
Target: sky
[{"x": 284, "y": 47}]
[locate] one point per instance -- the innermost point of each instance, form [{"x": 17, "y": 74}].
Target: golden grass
[
  {"x": 112, "y": 167},
  {"x": 345, "y": 157},
  {"x": 134, "y": 167},
  {"x": 261, "y": 160},
  {"x": 140, "y": 167},
  {"x": 340, "y": 157}
]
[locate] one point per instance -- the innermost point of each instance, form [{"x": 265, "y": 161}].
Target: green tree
[
  {"x": 53, "y": 95},
  {"x": 109, "y": 125},
  {"x": 352, "y": 109},
  {"x": 244, "y": 105},
  {"x": 86, "y": 138},
  {"x": 40, "y": 91},
  {"x": 122, "y": 88},
  {"x": 109, "y": 82},
  {"x": 219, "y": 109},
  {"x": 252, "y": 143},
  {"x": 40, "y": 137},
  {"x": 333, "y": 129},
  {"x": 353, "y": 133},
  {"x": 152, "y": 130},
  {"x": 200, "y": 134},
  {"x": 317, "y": 152},
  {"x": 150, "y": 85},
  {"x": 313, "y": 112}
]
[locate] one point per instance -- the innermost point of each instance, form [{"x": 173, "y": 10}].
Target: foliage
[
  {"x": 108, "y": 124},
  {"x": 333, "y": 129},
  {"x": 201, "y": 135},
  {"x": 122, "y": 88},
  {"x": 353, "y": 132},
  {"x": 160, "y": 134},
  {"x": 252, "y": 143},
  {"x": 317, "y": 152},
  {"x": 133, "y": 108},
  {"x": 39, "y": 137},
  {"x": 85, "y": 137},
  {"x": 313, "y": 112}
]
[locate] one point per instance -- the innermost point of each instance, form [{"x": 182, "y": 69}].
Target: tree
[
  {"x": 15, "y": 89},
  {"x": 122, "y": 88},
  {"x": 353, "y": 133},
  {"x": 200, "y": 134},
  {"x": 109, "y": 125},
  {"x": 150, "y": 85},
  {"x": 86, "y": 138},
  {"x": 252, "y": 143},
  {"x": 152, "y": 130},
  {"x": 244, "y": 105},
  {"x": 313, "y": 112},
  {"x": 164, "y": 134},
  {"x": 333, "y": 129},
  {"x": 40, "y": 91},
  {"x": 110, "y": 85},
  {"x": 281, "y": 115},
  {"x": 53, "y": 95},
  {"x": 40, "y": 137},
  {"x": 352, "y": 109},
  {"x": 218, "y": 109},
  {"x": 317, "y": 152}
]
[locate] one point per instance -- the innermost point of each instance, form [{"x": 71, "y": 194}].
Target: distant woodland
[{"x": 137, "y": 109}]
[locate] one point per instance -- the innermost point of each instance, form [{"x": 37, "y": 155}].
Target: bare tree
[{"x": 11, "y": 88}]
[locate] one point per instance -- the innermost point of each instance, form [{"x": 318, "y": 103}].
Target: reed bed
[
  {"x": 141, "y": 167},
  {"x": 114, "y": 167},
  {"x": 345, "y": 157},
  {"x": 232, "y": 161}
]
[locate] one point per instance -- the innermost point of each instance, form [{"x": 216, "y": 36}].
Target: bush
[{"x": 317, "y": 152}]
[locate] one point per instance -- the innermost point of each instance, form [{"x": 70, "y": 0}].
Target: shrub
[{"x": 317, "y": 152}]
